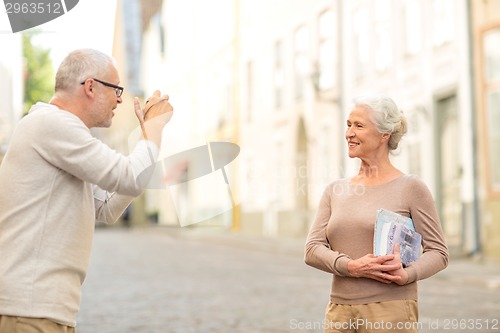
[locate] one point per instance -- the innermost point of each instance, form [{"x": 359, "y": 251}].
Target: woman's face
[{"x": 363, "y": 138}]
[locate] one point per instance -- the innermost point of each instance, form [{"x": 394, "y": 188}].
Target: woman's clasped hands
[{"x": 386, "y": 269}]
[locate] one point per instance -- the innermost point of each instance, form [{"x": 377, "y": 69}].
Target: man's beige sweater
[
  {"x": 343, "y": 230},
  {"x": 55, "y": 182}
]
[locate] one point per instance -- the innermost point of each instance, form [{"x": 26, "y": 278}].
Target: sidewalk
[
  {"x": 472, "y": 272},
  {"x": 468, "y": 271}
]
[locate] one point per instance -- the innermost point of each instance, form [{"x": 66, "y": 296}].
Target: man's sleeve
[
  {"x": 65, "y": 142},
  {"x": 109, "y": 206}
]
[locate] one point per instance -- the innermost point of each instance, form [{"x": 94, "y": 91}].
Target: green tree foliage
[{"x": 39, "y": 73}]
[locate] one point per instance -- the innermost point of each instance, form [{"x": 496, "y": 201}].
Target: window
[
  {"x": 493, "y": 107},
  {"x": 492, "y": 55},
  {"x": 280, "y": 174},
  {"x": 414, "y": 144},
  {"x": 301, "y": 65},
  {"x": 492, "y": 97},
  {"x": 443, "y": 21},
  {"x": 250, "y": 91},
  {"x": 362, "y": 52},
  {"x": 327, "y": 57},
  {"x": 326, "y": 154},
  {"x": 279, "y": 79},
  {"x": 412, "y": 27},
  {"x": 383, "y": 48}
]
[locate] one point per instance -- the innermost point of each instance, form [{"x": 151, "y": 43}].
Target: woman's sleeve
[
  {"x": 318, "y": 252},
  {"x": 426, "y": 220}
]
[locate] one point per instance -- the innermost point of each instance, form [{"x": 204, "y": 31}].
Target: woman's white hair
[
  {"x": 387, "y": 116},
  {"x": 80, "y": 65}
]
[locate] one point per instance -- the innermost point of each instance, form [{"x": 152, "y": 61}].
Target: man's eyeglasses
[{"x": 118, "y": 89}]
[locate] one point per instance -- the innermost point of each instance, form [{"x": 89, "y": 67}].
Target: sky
[{"x": 89, "y": 24}]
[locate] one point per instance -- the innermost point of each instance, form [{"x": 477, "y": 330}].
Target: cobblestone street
[{"x": 180, "y": 280}]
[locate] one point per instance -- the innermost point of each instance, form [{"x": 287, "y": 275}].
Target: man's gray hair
[{"x": 80, "y": 65}]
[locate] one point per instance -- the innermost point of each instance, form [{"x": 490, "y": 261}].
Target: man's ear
[{"x": 89, "y": 86}]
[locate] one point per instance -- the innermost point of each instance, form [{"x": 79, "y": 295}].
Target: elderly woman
[{"x": 370, "y": 293}]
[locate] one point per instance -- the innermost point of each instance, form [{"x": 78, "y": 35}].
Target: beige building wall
[
  {"x": 486, "y": 20},
  {"x": 419, "y": 54},
  {"x": 278, "y": 79},
  {"x": 415, "y": 51},
  {"x": 190, "y": 54},
  {"x": 285, "y": 161}
]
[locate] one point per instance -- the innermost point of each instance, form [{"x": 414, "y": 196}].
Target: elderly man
[{"x": 56, "y": 180}]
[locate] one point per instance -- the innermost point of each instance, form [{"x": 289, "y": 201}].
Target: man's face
[{"x": 106, "y": 99}]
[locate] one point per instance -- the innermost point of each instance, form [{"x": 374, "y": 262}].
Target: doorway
[{"x": 449, "y": 170}]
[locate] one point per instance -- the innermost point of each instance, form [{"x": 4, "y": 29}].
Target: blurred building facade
[
  {"x": 278, "y": 79},
  {"x": 190, "y": 51},
  {"x": 11, "y": 87},
  {"x": 485, "y": 36},
  {"x": 131, "y": 18}
]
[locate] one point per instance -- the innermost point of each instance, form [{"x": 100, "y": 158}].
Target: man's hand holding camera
[{"x": 155, "y": 114}]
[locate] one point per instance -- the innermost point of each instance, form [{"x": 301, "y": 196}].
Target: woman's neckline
[{"x": 377, "y": 185}]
